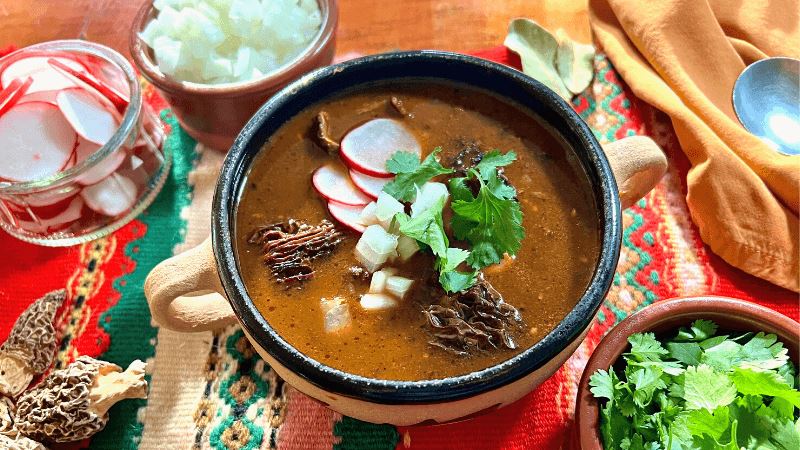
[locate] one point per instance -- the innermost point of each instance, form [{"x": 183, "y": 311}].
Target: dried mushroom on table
[
  {"x": 31, "y": 345},
  {"x": 73, "y": 403}
]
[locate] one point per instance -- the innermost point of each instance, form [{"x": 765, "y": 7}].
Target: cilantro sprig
[
  {"x": 428, "y": 228},
  {"x": 489, "y": 221},
  {"x": 700, "y": 391},
  {"x": 410, "y": 174}
]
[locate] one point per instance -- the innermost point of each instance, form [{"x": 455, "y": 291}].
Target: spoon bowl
[{"x": 766, "y": 98}]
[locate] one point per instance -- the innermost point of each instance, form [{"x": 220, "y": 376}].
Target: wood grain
[{"x": 366, "y": 26}]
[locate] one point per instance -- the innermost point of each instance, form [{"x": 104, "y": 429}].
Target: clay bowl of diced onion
[
  {"x": 412, "y": 237},
  {"x": 216, "y": 63}
]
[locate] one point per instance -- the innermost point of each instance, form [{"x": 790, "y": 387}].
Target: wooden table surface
[{"x": 365, "y": 26}]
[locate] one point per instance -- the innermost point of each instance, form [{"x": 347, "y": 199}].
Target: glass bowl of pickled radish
[{"x": 81, "y": 153}]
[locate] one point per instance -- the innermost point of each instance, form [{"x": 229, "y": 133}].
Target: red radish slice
[
  {"x": 87, "y": 115},
  {"x": 35, "y": 141},
  {"x": 45, "y": 78},
  {"x": 82, "y": 78},
  {"x": 367, "y": 148},
  {"x": 112, "y": 196},
  {"x": 13, "y": 93},
  {"x": 108, "y": 74},
  {"x": 51, "y": 197},
  {"x": 372, "y": 186},
  {"x": 347, "y": 215},
  {"x": 41, "y": 96},
  {"x": 104, "y": 168},
  {"x": 57, "y": 222},
  {"x": 332, "y": 182}
]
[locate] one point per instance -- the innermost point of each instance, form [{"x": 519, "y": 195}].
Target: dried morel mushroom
[
  {"x": 289, "y": 247},
  {"x": 31, "y": 345},
  {"x": 323, "y": 133},
  {"x": 72, "y": 404},
  {"x": 478, "y": 319},
  {"x": 10, "y": 438},
  {"x": 19, "y": 442}
]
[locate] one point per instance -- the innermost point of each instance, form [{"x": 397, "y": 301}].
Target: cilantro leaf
[
  {"x": 428, "y": 228},
  {"x": 786, "y": 435},
  {"x": 685, "y": 352},
  {"x": 764, "y": 382},
  {"x": 700, "y": 330},
  {"x": 455, "y": 281},
  {"x": 601, "y": 384},
  {"x": 492, "y": 224},
  {"x": 451, "y": 279},
  {"x": 403, "y": 162},
  {"x": 646, "y": 380},
  {"x": 645, "y": 347},
  {"x": 492, "y": 160},
  {"x": 701, "y": 421},
  {"x": 705, "y": 388},
  {"x": 411, "y": 174}
]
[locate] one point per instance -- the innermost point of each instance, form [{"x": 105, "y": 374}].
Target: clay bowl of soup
[{"x": 413, "y": 331}]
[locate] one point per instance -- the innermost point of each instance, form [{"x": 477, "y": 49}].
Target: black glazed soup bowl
[{"x": 636, "y": 162}]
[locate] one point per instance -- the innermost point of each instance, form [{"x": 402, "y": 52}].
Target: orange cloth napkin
[{"x": 683, "y": 57}]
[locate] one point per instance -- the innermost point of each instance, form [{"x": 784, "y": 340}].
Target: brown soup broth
[{"x": 549, "y": 275}]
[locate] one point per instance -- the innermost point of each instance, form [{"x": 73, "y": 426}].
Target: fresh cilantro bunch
[
  {"x": 700, "y": 391},
  {"x": 491, "y": 221}
]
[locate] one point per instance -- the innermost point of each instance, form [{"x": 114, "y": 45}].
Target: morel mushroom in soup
[{"x": 415, "y": 231}]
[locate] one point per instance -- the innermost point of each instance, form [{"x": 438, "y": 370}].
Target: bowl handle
[
  {"x": 185, "y": 294},
  {"x": 638, "y": 164}
]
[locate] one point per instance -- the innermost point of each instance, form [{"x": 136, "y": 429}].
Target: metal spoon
[{"x": 766, "y": 98}]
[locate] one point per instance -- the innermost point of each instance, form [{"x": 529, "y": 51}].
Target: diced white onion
[
  {"x": 367, "y": 216},
  {"x": 375, "y": 247},
  {"x": 406, "y": 247},
  {"x": 377, "y": 301},
  {"x": 428, "y": 195},
  {"x": 398, "y": 286},
  {"x": 386, "y": 208},
  {"x": 254, "y": 37},
  {"x": 378, "y": 282},
  {"x": 336, "y": 314}
]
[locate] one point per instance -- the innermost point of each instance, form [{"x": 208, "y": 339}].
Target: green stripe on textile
[
  {"x": 358, "y": 435},
  {"x": 128, "y": 322}
]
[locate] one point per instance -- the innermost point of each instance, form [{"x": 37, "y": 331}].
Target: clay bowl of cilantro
[
  {"x": 411, "y": 237},
  {"x": 694, "y": 373}
]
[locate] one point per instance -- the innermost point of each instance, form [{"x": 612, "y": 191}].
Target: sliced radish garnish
[
  {"x": 41, "y": 96},
  {"x": 13, "y": 93},
  {"x": 57, "y": 222},
  {"x": 51, "y": 197},
  {"x": 45, "y": 78},
  {"x": 347, "y": 215},
  {"x": 87, "y": 115},
  {"x": 87, "y": 80},
  {"x": 35, "y": 141},
  {"x": 372, "y": 186},
  {"x": 367, "y": 148},
  {"x": 103, "y": 168},
  {"x": 332, "y": 182},
  {"x": 112, "y": 196}
]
